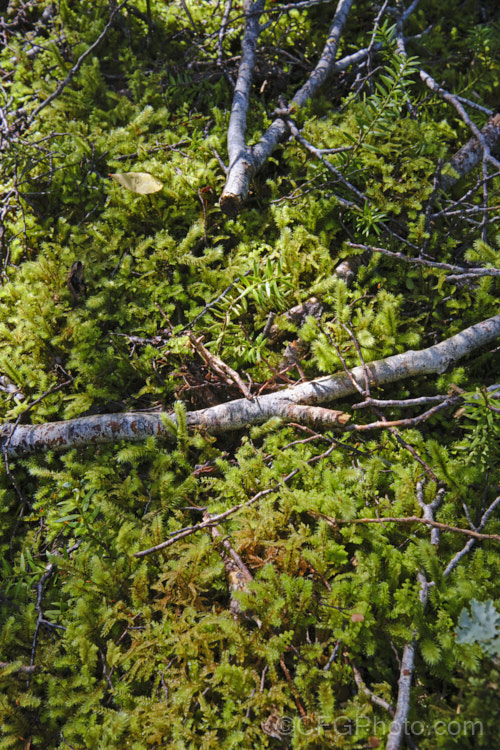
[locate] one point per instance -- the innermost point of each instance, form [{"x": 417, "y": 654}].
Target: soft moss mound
[{"x": 104, "y": 650}]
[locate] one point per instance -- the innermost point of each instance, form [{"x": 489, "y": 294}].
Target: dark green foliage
[{"x": 144, "y": 653}]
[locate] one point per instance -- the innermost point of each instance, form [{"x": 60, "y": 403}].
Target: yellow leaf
[{"x": 142, "y": 183}]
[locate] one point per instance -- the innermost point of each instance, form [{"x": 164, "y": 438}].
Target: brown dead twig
[{"x": 220, "y": 368}]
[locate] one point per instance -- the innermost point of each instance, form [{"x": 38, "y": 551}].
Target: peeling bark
[{"x": 290, "y": 403}]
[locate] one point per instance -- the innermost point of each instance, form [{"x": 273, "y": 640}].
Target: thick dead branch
[
  {"x": 243, "y": 160},
  {"x": 234, "y": 415},
  {"x": 240, "y": 155}
]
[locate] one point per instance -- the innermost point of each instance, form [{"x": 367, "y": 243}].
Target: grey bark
[
  {"x": 135, "y": 426},
  {"x": 471, "y": 154}
]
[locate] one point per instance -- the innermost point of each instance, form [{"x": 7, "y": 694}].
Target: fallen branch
[
  {"x": 240, "y": 155},
  {"x": 211, "y": 521},
  {"x": 471, "y": 154},
  {"x": 243, "y": 160},
  {"x": 471, "y": 542},
  {"x": 234, "y": 415},
  {"x": 408, "y": 660},
  {"x": 398, "y": 725},
  {"x": 375, "y": 699},
  {"x": 237, "y": 574}
]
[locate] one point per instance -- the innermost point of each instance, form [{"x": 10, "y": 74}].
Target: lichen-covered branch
[{"x": 290, "y": 404}]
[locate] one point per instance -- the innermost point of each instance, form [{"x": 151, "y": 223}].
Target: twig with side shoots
[
  {"x": 408, "y": 660},
  {"x": 429, "y": 509},
  {"x": 468, "y": 546},
  {"x": 457, "y": 271},
  {"x": 76, "y": 67},
  {"x": 446, "y": 212},
  {"x": 134, "y": 426},
  {"x": 452, "y": 99},
  {"x": 409, "y": 422},
  {"x": 211, "y": 521},
  {"x": 476, "y": 535},
  {"x": 399, "y": 403},
  {"x": 320, "y": 154}
]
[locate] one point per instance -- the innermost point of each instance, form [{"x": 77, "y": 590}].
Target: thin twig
[
  {"x": 76, "y": 67},
  {"x": 413, "y": 519},
  {"x": 458, "y": 270}
]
